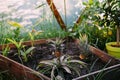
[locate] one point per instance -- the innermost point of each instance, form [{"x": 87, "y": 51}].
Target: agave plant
[{"x": 60, "y": 65}]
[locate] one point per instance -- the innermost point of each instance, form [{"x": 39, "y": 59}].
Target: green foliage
[
  {"x": 63, "y": 64},
  {"x": 18, "y": 45},
  {"x": 5, "y": 75},
  {"x": 6, "y": 51},
  {"x": 5, "y": 32},
  {"x": 21, "y": 49},
  {"x": 111, "y": 16},
  {"x": 25, "y": 53},
  {"x": 17, "y": 27},
  {"x": 98, "y": 36},
  {"x": 83, "y": 43},
  {"x": 33, "y": 34},
  {"x": 89, "y": 3},
  {"x": 83, "y": 39},
  {"x": 101, "y": 74},
  {"x": 14, "y": 30},
  {"x": 40, "y": 5},
  {"x": 57, "y": 43},
  {"x": 111, "y": 13},
  {"x": 91, "y": 25},
  {"x": 15, "y": 24}
]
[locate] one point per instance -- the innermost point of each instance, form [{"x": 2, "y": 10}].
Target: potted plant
[{"x": 111, "y": 18}]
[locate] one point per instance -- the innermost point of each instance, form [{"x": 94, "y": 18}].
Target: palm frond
[
  {"x": 29, "y": 50},
  {"x": 77, "y": 61},
  {"x": 67, "y": 69},
  {"x": 47, "y": 62},
  {"x": 75, "y": 69},
  {"x": 52, "y": 73}
]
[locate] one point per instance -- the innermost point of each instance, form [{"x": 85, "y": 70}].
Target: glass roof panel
[{"x": 27, "y": 13}]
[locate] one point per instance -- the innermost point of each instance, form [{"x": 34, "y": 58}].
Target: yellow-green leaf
[
  {"x": 90, "y": 2},
  {"x": 40, "y": 5},
  {"x": 15, "y": 24}
]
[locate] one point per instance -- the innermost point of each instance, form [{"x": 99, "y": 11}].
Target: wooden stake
[{"x": 57, "y": 15}]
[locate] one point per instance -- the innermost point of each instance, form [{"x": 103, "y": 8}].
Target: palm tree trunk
[{"x": 118, "y": 36}]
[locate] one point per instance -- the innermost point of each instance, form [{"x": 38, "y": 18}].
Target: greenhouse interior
[{"x": 60, "y": 40}]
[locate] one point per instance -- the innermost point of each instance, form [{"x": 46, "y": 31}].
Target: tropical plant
[
  {"x": 16, "y": 29},
  {"x": 5, "y": 75},
  {"x": 83, "y": 45},
  {"x": 21, "y": 49},
  {"x": 91, "y": 25},
  {"x": 58, "y": 66},
  {"x": 24, "y": 53},
  {"x": 18, "y": 45},
  {"x": 6, "y": 51},
  {"x": 33, "y": 34},
  {"x": 5, "y": 31},
  {"x": 83, "y": 40},
  {"x": 86, "y": 24},
  {"x": 58, "y": 46},
  {"x": 111, "y": 16}
]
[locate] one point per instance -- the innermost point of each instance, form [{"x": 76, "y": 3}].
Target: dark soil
[
  {"x": 44, "y": 52},
  {"x": 118, "y": 46},
  {"x": 5, "y": 75}
]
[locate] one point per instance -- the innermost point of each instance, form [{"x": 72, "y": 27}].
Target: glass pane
[
  {"x": 69, "y": 10},
  {"x": 26, "y": 12}
]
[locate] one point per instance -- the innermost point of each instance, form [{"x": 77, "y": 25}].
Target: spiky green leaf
[
  {"x": 77, "y": 61},
  {"x": 67, "y": 69},
  {"x": 29, "y": 50},
  {"x": 40, "y": 5},
  {"x": 47, "y": 62},
  {"x": 15, "y": 24}
]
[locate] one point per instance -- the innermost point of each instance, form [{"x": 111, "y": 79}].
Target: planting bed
[{"x": 44, "y": 51}]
